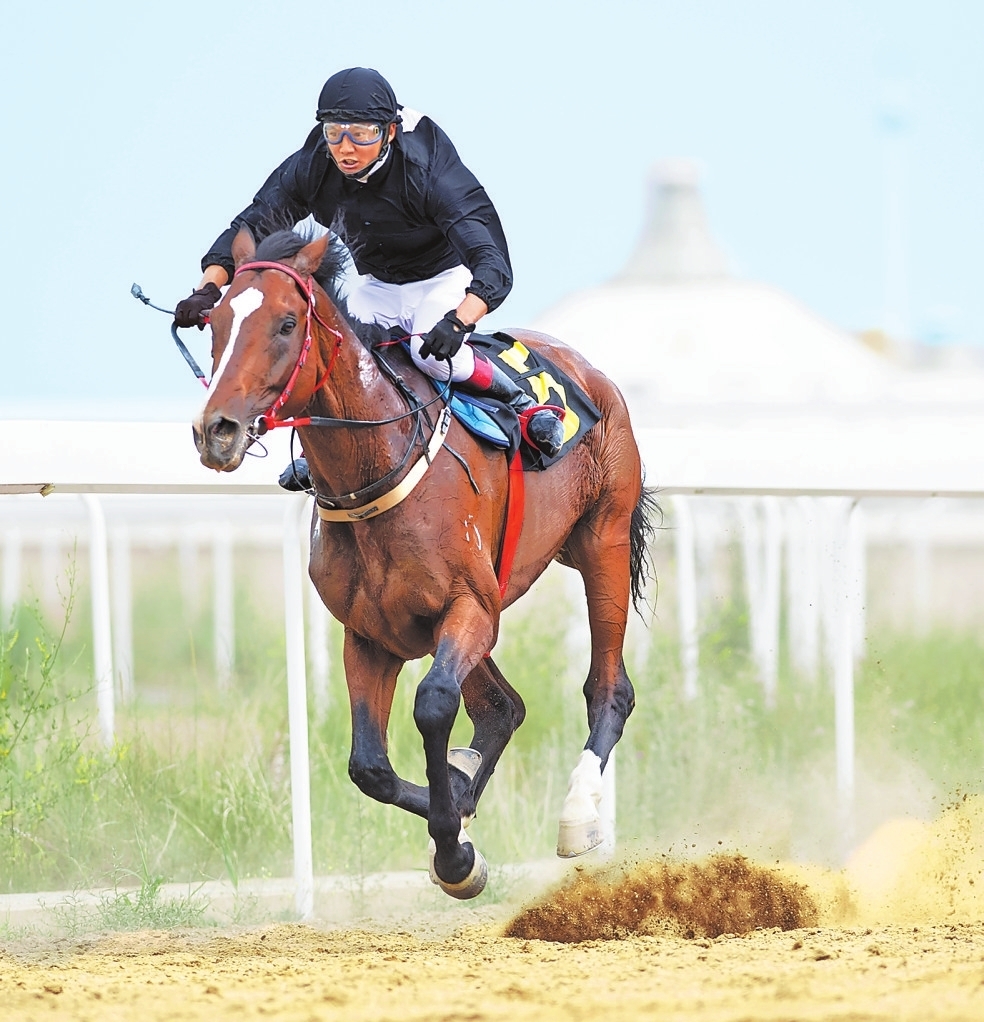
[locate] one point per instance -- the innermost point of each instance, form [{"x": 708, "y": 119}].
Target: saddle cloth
[{"x": 543, "y": 381}]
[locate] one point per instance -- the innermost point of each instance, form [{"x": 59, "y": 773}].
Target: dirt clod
[{"x": 724, "y": 894}]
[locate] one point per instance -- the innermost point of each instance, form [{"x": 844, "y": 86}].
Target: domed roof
[{"x": 675, "y": 327}]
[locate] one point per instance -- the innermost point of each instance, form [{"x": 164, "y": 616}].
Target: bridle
[
  {"x": 329, "y": 509},
  {"x": 268, "y": 420}
]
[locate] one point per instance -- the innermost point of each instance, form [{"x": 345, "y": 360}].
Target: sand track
[
  {"x": 295, "y": 972},
  {"x": 896, "y": 936}
]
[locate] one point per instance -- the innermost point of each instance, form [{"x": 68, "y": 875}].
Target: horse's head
[{"x": 259, "y": 361}]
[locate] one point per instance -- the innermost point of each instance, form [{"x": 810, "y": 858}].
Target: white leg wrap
[{"x": 580, "y": 822}]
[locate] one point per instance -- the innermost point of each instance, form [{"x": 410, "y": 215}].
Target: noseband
[{"x": 306, "y": 286}]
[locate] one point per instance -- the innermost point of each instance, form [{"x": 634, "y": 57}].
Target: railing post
[
  {"x": 686, "y": 558},
  {"x": 122, "y": 605},
  {"x": 223, "y": 605},
  {"x": 297, "y": 711},
  {"x": 102, "y": 634},
  {"x": 10, "y": 585}
]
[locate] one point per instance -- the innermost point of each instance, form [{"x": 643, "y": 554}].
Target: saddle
[{"x": 498, "y": 424}]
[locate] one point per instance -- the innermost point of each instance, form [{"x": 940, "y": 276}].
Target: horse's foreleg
[
  {"x": 496, "y": 711},
  {"x": 464, "y": 635},
  {"x": 371, "y": 674},
  {"x": 601, "y": 554}
]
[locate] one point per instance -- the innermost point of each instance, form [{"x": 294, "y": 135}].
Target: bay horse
[{"x": 420, "y": 578}]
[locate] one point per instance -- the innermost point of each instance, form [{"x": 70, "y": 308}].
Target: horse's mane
[{"x": 283, "y": 245}]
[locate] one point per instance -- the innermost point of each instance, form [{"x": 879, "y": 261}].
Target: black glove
[
  {"x": 446, "y": 337},
  {"x": 190, "y": 311}
]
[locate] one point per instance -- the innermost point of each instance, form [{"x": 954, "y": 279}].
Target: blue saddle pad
[{"x": 474, "y": 415}]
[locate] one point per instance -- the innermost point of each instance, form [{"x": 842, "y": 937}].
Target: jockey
[{"x": 424, "y": 235}]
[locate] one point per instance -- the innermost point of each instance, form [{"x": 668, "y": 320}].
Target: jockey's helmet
[{"x": 358, "y": 94}]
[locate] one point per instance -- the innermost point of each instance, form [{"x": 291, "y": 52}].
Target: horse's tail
[{"x": 647, "y": 517}]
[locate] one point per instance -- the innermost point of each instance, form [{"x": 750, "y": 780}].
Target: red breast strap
[{"x": 515, "y": 509}]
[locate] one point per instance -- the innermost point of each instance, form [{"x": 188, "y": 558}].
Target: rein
[
  {"x": 269, "y": 419},
  {"x": 328, "y": 509}
]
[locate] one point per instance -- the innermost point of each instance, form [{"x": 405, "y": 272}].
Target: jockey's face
[{"x": 351, "y": 158}]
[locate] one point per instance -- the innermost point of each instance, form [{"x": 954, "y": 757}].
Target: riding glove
[
  {"x": 446, "y": 337},
  {"x": 191, "y": 311}
]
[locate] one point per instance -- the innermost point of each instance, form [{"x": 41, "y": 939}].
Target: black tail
[{"x": 647, "y": 517}]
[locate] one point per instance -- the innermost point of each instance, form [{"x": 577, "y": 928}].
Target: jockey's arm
[
  {"x": 218, "y": 276},
  {"x": 471, "y": 310}
]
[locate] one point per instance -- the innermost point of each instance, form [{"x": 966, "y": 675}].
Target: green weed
[{"x": 198, "y": 785}]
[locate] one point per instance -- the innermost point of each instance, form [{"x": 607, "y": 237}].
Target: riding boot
[
  {"x": 544, "y": 428},
  {"x": 295, "y": 476}
]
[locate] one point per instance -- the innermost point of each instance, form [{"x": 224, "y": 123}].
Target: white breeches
[{"x": 416, "y": 307}]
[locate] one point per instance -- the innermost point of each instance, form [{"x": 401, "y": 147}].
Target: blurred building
[{"x": 687, "y": 341}]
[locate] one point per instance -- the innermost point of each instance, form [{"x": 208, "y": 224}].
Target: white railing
[{"x": 923, "y": 459}]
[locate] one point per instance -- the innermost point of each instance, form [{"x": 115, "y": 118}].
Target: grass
[
  {"x": 197, "y": 786},
  {"x": 140, "y": 908}
]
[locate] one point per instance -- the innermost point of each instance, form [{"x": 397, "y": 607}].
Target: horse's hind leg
[
  {"x": 599, "y": 548},
  {"x": 496, "y": 711},
  {"x": 371, "y": 674}
]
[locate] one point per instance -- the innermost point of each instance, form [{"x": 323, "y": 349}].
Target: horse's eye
[{"x": 288, "y": 325}]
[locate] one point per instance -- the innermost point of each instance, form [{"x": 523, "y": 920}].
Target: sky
[{"x": 134, "y": 133}]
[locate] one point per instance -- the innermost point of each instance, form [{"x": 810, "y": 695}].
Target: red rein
[{"x": 306, "y": 286}]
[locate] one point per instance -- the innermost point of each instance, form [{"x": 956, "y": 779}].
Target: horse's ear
[
  {"x": 243, "y": 246},
  {"x": 309, "y": 258}
]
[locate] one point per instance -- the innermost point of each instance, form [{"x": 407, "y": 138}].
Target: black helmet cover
[{"x": 358, "y": 94}]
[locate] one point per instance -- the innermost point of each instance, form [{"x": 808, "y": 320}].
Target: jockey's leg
[
  {"x": 434, "y": 298},
  {"x": 544, "y": 428},
  {"x": 375, "y": 301}
]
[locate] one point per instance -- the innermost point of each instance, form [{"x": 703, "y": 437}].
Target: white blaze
[{"x": 243, "y": 305}]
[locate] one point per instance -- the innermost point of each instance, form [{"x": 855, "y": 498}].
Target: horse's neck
[{"x": 348, "y": 459}]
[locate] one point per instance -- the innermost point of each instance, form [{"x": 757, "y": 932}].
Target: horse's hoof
[
  {"x": 468, "y": 762},
  {"x": 579, "y": 837},
  {"x": 472, "y": 885}
]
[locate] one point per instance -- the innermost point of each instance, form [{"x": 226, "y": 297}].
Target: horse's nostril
[{"x": 223, "y": 432}]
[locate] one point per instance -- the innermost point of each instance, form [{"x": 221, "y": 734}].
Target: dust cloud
[{"x": 908, "y": 872}]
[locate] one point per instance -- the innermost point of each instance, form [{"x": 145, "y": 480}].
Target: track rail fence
[{"x": 809, "y": 475}]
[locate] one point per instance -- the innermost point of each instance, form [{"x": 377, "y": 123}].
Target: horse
[{"x": 420, "y": 578}]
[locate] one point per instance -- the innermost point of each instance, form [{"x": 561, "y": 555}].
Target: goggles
[{"x": 358, "y": 134}]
